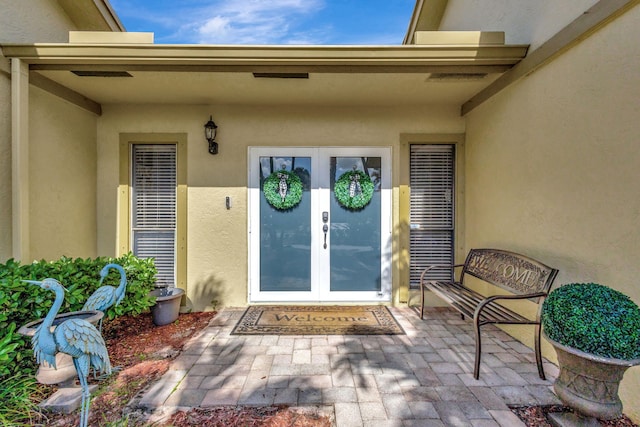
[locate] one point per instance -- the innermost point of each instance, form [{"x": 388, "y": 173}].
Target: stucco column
[{"x": 20, "y": 158}]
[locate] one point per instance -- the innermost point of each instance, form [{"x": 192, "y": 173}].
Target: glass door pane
[
  {"x": 285, "y": 235},
  {"x": 355, "y": 250}
]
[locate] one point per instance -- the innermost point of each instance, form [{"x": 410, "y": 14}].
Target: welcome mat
[{"x": 317, "y": 320}]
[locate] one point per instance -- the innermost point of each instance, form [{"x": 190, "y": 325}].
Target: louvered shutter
[
  {"x": 153, "y": 216},
  {"x": 432, "y": 210}
]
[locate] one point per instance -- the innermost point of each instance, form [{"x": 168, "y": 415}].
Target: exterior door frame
[{"x": 320, "y": 262}]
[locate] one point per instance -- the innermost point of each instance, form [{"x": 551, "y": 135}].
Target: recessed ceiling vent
[
  {"x": 455, "y": 77},
  {"x": 281, "y": 75},
  {"x": 99, "y": 73}
]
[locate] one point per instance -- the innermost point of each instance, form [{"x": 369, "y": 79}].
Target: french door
[{"x": 319, "y": 250}]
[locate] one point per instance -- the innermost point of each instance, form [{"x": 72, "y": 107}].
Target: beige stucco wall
[
  {"x": 217, "y": 250},
  {"x": 523, "y": 21},
  {"x": 62, "y": 178},
  {"x": 33, "y": 21},
  {"x": 553, "y": 169},
  {"x": 20, "y": 22}
]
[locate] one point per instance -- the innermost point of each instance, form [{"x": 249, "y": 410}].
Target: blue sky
[{"x": 315, "y": 22}]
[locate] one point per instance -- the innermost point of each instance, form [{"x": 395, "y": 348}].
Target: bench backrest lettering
[{"x": 510, "y": 271}]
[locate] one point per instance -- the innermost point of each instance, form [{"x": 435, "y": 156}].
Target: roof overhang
[
  {"x": 338, "y": 75},
  {"x": 415, "y": 58}
]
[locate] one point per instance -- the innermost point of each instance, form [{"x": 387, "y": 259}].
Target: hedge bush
[
  {"x": 21, "y": 302},
  {"x": 593, "y": 318}
]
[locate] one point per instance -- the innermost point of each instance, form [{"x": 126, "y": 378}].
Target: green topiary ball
[{"x": 593, "y": 318}]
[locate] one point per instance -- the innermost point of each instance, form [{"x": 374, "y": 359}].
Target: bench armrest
[
  {"x": 493, "y": 298},
  {"x": 435, "y": 266}
]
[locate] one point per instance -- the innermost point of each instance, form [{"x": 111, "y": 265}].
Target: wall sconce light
[{"x": 210, "y": 130}]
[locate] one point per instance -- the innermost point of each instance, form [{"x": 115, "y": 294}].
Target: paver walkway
[{"x": 423, "y": 378}]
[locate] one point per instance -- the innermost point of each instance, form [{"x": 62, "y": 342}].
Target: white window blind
[
  {"x": 153, "y": 216},
  {"x": 432, "y": 210}
]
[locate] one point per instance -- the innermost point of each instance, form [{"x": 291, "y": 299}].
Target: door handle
[{"x": 325, "y": 228}]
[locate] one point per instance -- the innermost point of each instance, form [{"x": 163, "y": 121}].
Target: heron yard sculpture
[
  {"x": 75, "y": 337},
  {"x": 106, "y": 296}
]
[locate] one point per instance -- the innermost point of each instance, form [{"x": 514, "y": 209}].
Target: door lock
[{"x": 325, "y": 216}]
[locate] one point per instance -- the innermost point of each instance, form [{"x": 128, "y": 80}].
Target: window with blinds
[
  {"x": 432, "y": 210},
  {"x": 153, "y": 207}
]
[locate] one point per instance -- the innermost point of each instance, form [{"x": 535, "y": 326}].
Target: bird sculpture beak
[{"x": 39, "y": 283}]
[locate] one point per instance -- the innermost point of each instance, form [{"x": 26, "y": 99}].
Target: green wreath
[
  {"x": 293, "y": 193},
  {"x": 357, "y": 196}
]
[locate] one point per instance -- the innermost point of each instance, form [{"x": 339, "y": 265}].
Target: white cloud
[{"x": 254, "y": 21}]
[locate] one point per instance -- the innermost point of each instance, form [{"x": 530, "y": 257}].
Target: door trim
[{"x": 319, "y": 274}]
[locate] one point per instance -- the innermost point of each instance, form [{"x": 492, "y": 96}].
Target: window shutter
[
  {"x": 432, "y": 210},
  {"x": 154, "y": 207}
]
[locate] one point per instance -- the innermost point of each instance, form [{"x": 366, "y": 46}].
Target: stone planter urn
[
  {"x": 595, "y": 331},
  {"x": 167, "y": 306},
  {"x": 589, "y": 384},
  {"x": 64, "y": 374}
]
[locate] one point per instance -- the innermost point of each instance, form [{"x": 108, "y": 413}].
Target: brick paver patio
[{"x": 423, "y": 378}]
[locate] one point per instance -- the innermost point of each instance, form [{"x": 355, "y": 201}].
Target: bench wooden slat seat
[{"x": 522, "y": 278}]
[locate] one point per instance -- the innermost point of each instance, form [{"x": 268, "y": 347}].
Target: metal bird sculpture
[
  {"x": 106, "y": 296},
  {"x": 75, "y": 337}
]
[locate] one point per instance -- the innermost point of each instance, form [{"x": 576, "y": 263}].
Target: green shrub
[
  {"x": 21, "y": 302},
  {"x": 594, "y": 319},
  {"x": 8, "y": 353}
]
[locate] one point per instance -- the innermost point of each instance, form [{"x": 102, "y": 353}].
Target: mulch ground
[
  {"x": 272, "y": 416},
  {"x": 536, "y": 416}
]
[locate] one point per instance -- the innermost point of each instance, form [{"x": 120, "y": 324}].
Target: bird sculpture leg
[
  {"x": 86, "y": 402},
  {"x": 86, "y": 394},
  {"x": 105, "y": 376}
]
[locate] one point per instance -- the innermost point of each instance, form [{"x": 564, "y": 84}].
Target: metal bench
[{"x": 521, "y": 276}]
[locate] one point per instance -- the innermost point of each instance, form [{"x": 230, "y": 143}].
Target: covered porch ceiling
[{"x": 91, "y": 75}]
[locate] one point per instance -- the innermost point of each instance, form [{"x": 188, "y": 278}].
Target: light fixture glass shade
[{"x": 210, "y": 129}]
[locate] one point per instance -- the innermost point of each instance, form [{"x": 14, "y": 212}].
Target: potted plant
[
  {"x": 166, "y": 308},
  {"x": 595, "y": 331}
]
